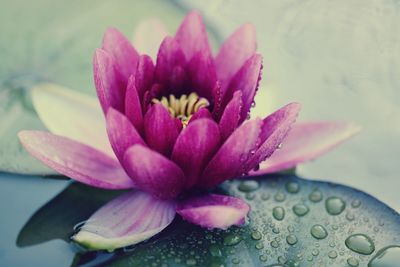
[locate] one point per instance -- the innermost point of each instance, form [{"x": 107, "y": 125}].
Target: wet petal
[
  {"x": 153, "y": 173},
  {"x": 231, "y": 116},
  {"x": 120, "y": 48},
  {"x": 133, "y": 106},
  {"x": 148, "y": 36},
  {"x": 307, "y": 141},
  {"x": 121, "y": 132},
  {"x": 160, "y": 129},
  {"x": 75, "y": 160},
  {"x": 229, "y": 161},
  {"x": 214, "y": 211},
  {"x": 59, "y": 107},
  {"x": 126, "y": 220},
  {"x": 192, "y": 35},
  {"x": 108, "y": 81},
  {"x": 239, "y": 47},
  {"x": 275, "y": 128},
  {"x": 194, "y": 148}
]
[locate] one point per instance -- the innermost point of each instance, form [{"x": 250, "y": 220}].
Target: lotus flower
[{"x": 171, "y": 128}]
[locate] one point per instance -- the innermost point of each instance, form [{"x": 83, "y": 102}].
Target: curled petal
[
  {"x": 153, "y": 173},
  {"x": 59, "y": 108},
  {"x": 148, "y": 36},
  {"x": 160, "y": 129},
  {"x": 110, "y": 87},
  {"x": 126, "y": 220},
  {"x": 133, "y": 106},
  {"x": 121, "y": 132},
  {"x": 194, "y": 148},
  {"x": 75, "y": 160},
  {"x": 214, "y": 211},
  {"x": 307, "y": 141},
  {"x": 231, "y": 116},
  {"x": 120, "y": 48},
  {"x": 230, "y": 159},
  {"x": 192, "y": 35},
  {"x": 239, "y": 47}
]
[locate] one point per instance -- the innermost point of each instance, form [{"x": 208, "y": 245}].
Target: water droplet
[
  {"x": 315, "y": 196},
  {"x": 235, "y": 261},
  {"x": 349, "y": 216},
  {"x": 356, "y": 203},
  {"x": 275, "y": 230},
  {"x": 280, "y": 196},
  {"x": 278, "y": 213},
  {"x": 274, "y": 244},
  {"x": 256, "y": 235},
  {"x": 263, "y": 258},
  {"x": 300, "y": 209},
  {"x": 332, "y": 254},
  {"x": 191, "y": 262},
  {"x": 232, "y": 239},
  {"x": 290, "y": 229},
  {"x": 259, "y": 245},
  {"x": 265, "y": 196},
  {"x": 215, "y": 251},
  {"x": 318, "y": 231},
  {"x": 250, "y": 196},
  {"x": 248, "y": 186},
  {"x": 315, "y": 252},
  {"x": 360, "y": 243},
  {"x": 291, "y": 239},
  {"x": 353, "y": 262},
  {"x": 292, "y": 187},
  {"x": 334, "y": 205},
  {"x": 388, "y": 256},
  {"x": 282, "y": 259}
]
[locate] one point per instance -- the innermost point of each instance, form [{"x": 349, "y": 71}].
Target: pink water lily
[{"x": 171, "y": 126}]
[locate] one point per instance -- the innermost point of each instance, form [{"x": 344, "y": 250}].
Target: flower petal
[
  {"x": 148, "y": 36},
  {"x": 110, "y": 87},
  {"x": 122, "y": 133},
  {"x": 153, "y": 173},
  {"x": 202, "y": 113},
  {"x": 231, "y": 116},
  {"x": 192, "y": 35},
  {"x": 229, "y": 161},
  {"x": 121, "y": 49},
  {"x": 239, "y": 47},
  {"x": 160, "y": 129},
  {"x": 126, "y": 220},
  {"x": 133, "y": 106},
  {"x": 59, "y": 108},
  {"x": 144, "y": 75},
  {"x": 275, "y": 128},
  {"x": 194, "y": 148},
  {"x": 75, "y": 160},
  {"x": 306, "y": 141},
  {"x": 214, "y": 211}
]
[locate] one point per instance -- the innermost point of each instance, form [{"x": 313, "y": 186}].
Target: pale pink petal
[
  {"x": 214, "y": 211},
  {"x": 126, "y": 220},
  {"x": 229, "y": 161},
  {"x": 148, "y": 36},
  {"x": 194, "y": 148},
  {"x": 121, "y": 132},
  {"x": 231, "y": 116},
  {"x": 75, "y": 160},
  {"x": 153, "y": 173},
  {"x": 71, "y": 114},
  {"x": 133, "y": 106},
  {"x": 239, "y": 47},
  {"x": 307, "y": 141}
]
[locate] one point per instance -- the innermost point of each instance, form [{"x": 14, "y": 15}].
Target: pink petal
[
  {"x": 153, "y": 173},
  {"x": 230, "y": 118},
  {"x": 121, "y": 132},
  {"x": 108, "y": 81},
  {"x": 275, "y": 128},
  {"x": 160, "y": 129},
  {"x": 148, "y": 36},
  {"x": 229, "y": 161},
  {"x": 246, "y": 80},
  {"x": 126, "y": 220},
  {"x": 194, "y": 148},
  {"x": 202, "y": 113},
  {"x": 59, "y": 107},
  {"x": 75, "y": 160},
  {"x": 120, "y": 48},
  {"x": 192, "y": 35},
  {"x": 170, "y": 65},
  {"x": 144, "y": 75},
  {"x": 239, "y": 47},
  {"x": 307, "y": 141},
  {"x": 214, "y": 211},
  {"x": 133, "y": 106}
]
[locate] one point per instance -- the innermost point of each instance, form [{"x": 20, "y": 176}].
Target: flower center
[{"x": 183, "y": 107}]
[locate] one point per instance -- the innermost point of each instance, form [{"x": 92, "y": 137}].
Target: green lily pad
[{"x": 293, "y": 222}]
